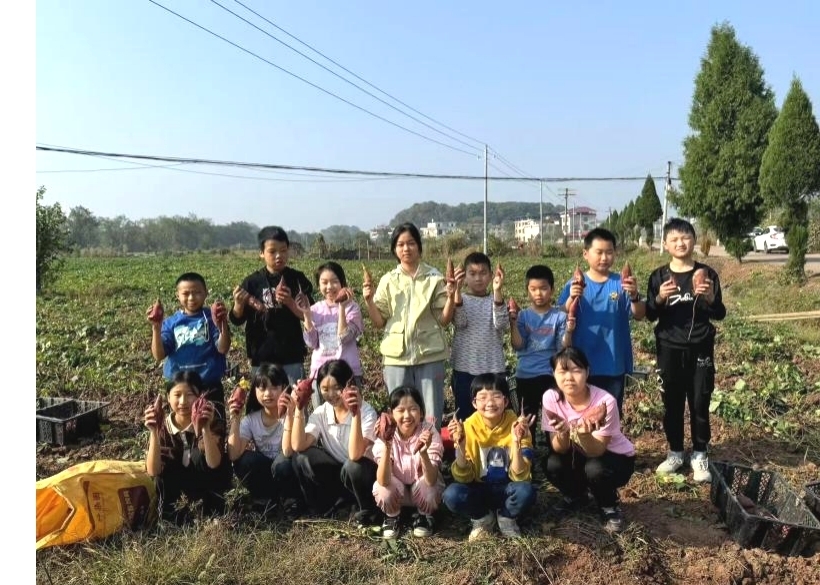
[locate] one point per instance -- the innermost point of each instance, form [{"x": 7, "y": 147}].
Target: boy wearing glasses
[
  {"x": 192, "y": 339},
  {"x": 491, "y": 473}
]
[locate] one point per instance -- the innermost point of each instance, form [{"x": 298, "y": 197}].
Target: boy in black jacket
[
  {"x": 266, "y": 303},
  {"x": 684, "y": 296}
]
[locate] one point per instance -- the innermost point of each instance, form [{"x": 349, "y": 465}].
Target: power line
[
  {"x": 329, "y": 70},
  {"x": 302, "y": 79},
  {"x": 258, "y": 166},
  {"x": 340, "y": 66}
]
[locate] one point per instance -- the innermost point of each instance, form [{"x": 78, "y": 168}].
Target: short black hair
[
  {"x": 272, "y": 374},
  {"x": 478, "y": 259},
  {"x": 404, "y": 391},
  {"x": 677, "y": 224},
  {"x": 408, "y": 227},
  {"x": 497, "y": 382},
  {"x": 272, "y": 232},
  {"x": 339, "y": 369},
  {"x": 335, "y": 268},
  {"x": 191, "y": 277},
  {"x": 189, "y": 377},
  {"x": 540, "y": 272},
  {"x": 599, "y": 233}
]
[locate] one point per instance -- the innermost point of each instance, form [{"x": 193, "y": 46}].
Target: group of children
[{"x": 332, "y": 450}]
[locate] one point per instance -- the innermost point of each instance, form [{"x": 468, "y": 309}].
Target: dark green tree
[
  {"x": 790, "y": 173},
  {"x": 648, "y": 209},
  {"x": 52, "y": 239},
  {"x": 84, "y": 228},
  {"x": 732, "y": 112}
]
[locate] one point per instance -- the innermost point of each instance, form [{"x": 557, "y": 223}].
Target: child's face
[
  {"x": 407, "y": 249},
  {"x": 539, "y": 292},
  {"x": 275, "y": 255},
  {"x": 329, "y": 284},
  {"x": 679, "y": 244},
  {"x": 331, "y": 390},
  {"x": 477, "y": 278},
  {"x": 407, "y": 416},
  {"x": 490, "y": 404},
  {"x": 191, "y": 295},
  {"x": 181, "y": 398},
  {"x": 600, "y": 256},
  {"x": 571, "y": 378},
  {"x": 268, "y": 395}
]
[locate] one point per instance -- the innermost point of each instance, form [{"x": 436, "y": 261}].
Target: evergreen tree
[
  {"x": 649, "y": 209},
  {"x": 790, "y": 173},
  {"x": 732, "y": 112}
]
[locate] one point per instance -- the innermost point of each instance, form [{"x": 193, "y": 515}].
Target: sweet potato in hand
[{"x": 385, "y": 427}]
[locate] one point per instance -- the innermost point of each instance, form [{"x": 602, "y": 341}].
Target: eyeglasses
[{"x": 485, "y": 398}]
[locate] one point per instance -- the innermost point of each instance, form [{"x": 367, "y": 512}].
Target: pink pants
[{"x": 424, "y": 497}]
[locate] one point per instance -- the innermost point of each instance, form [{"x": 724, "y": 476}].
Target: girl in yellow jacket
[{"x": 412, "y": 303}]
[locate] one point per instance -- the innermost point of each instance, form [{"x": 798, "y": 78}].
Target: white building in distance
[{"x": 437, "y": 229}]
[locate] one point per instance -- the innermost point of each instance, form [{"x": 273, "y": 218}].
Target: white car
[{"x": 772, "y": 238}]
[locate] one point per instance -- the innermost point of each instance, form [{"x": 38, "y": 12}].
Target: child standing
[
  {"x": 588, "y": 449},
  {"x": 492, "y": 470},
  {"x": 333, "y": 325},
  {"x": 266, "y": 304},
  {"x": 191, "y": 340},
  {"x": 480, "y": 320},
  {"x": 185, "y": 453},
  {"x": 408, "y": 460},
  {"x": 602, "y": 330},
  {"x": 334, "y": 450},
  {"x": 684, "y": 296},
  {"x": 538, "y": 333},
  {"x": 266, "y": 471}
]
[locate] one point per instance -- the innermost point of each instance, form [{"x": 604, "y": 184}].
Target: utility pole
[
  {"x": 541, "y": 213},
  {"x": 566, "y": 214},
  {"x": 486, "y": 180},
  {"x": 666, "y": 189}
]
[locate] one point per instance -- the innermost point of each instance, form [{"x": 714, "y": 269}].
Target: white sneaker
[
  {"x": 482, "y": 528},
  {"x": 508, "y": 527},
  {"x": 674, "y": 461},
  {"x": 700, "y": 467}
]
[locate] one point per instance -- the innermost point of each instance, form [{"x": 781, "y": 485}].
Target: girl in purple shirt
[
  {"x": 333, "y": 324},
  {"x": 588, "y": 451}
]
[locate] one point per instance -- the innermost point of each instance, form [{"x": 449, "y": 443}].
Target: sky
[{"x": 598, "y": 89}]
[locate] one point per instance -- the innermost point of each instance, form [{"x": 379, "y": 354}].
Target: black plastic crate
[
  {"x": 812, "y": 497},
  {"x": 62, "y": 421},
  {"x": 774, "y": 518}
]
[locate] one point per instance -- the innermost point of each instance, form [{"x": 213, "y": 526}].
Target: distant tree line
[{"x": 498, "y": 213}]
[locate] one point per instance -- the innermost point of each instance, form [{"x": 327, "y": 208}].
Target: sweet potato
[
  {"x": 156, "y": 314},
  {"x": 574, "y": 303},
  {"x": 282, "y": 409},
  {"x": 257, "y": 305},
  {"x": 698, "y": 278},
  {"x": 499, "y": 271},
  {"x": 578, "y": 276},
  {"x": 450, "y": 272},
  {"x": 158, "y": 412},
  {"x": 552, "y": 416},
  {"x": 239, "y": 396},
  {"x": 342, "y": 296},
  {"x": 386, "y": 427},
  {"x": 626, "y": 271},
  {"x": 198, "y": 408},
  {"x": 348, "y": 392},
  {"x": 304, "y": 390},
  {"x": 513, "y": 307},
  {"x": 367, "y": 278},
  {"x": 219, "y": 313},
  {"x": 596, "y": 415}
]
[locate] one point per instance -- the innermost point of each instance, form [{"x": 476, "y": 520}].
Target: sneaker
[
  {"x": 569, "y": 506},
  {"x": 292, "y": 508},
  {"x": 508, "y": 527},
  {"x": 367, "y": 519},
  {"x": 423, "y": 526},
  {"x": 674, "y": 461},
  {"x": 700, "y": 467},
  {"x": 482, "y": 528},
  {"x": 391, "y": 527},
  {"x": 614, "y": 520}
]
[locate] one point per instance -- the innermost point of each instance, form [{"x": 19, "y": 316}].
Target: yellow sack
[{"x": 93, "y": 500}]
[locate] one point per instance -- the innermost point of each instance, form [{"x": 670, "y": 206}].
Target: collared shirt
[{"x": 334, "y": 436}]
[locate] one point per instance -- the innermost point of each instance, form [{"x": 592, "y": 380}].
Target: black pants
[
  {"x": 324, "y": 480},
  {"x": 267, "y": 478},
  {"x": 573, "y": 473},
  {"x": 687, "y": 375},
  {"x": 531, "y": 392},
  {"x": 201, "y": 486}
]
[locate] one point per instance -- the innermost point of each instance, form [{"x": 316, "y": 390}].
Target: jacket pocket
[
  {"x": 430, "y": 339},
  {"x": 393, "y": 342}
]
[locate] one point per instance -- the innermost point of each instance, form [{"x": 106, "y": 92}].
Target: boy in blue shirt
[
  {"x": 538, "y": 333},
  {"x": 606, "y": 303},
  {"x": 191, "y": 340}
]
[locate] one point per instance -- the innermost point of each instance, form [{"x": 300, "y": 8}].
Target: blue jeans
[
  {"x": 612, "y": 384},
  {"x": 476, "y": 499}
]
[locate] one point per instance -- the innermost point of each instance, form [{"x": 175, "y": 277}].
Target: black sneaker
[
  {"x": 568, "y": 506},
  {"x": 391, "y": 527},
  {"x": 615, "y": 522},
  {"x": 292, "y": 508},
  {"x": 367, "y": 519},
  {"x": 423, "y": 526}
]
